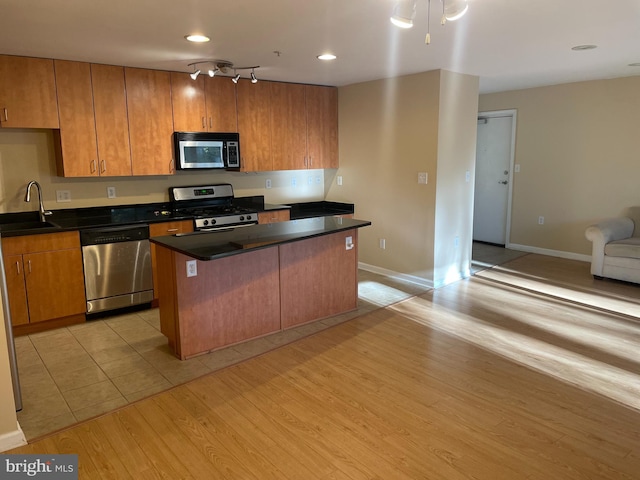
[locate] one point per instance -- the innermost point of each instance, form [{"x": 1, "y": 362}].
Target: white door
[{"x": 494, "y": 158}]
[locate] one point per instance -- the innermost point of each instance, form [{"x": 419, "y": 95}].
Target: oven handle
[{"x": 223, "y": 228}]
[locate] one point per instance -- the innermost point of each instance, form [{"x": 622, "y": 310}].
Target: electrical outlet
[
  {"x": 541, "y": 220},
  {"x": 456, "y": 241},
  {"x": 192, "y": 268},
  {"x": 467, "y": 176},
  {"x": 348, "y": 243},
  {"x": 310, "y": 181},
  {"x": 111, "y": 192},
  {"x": 517, "y": 168},
  {"x": 383, "y": 243},
  {"x": 267, "y": 183},
  {"x": 339, "y": 180},
  {"x": 294, "y": 182},
  {"x": 63, "y": 196},
  {"x": 422, "y": 178}
]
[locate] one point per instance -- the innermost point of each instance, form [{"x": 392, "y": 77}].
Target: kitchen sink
[{"x": 34, "y": 225}]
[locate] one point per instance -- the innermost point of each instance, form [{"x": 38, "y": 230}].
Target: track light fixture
[
  {"x": 404, "y": 13},
  {"x": 213, "y": 67}
]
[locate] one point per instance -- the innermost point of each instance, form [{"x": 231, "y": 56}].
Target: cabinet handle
[
  {"x": 204, "y": 122},
  {"x": 210, "y": 122},
  {"x": 18, "y": 268},
  {"x": 171, "y": 166},
  {"x": 305, "y": 161},
  {"x": 103, "y": 167},
  {"x": 93, "y": 166},
  {"x": 6, "y": 114},
  {"x": 169, "y": 230},
  {"x": 310, "y": 161},
  {"x": 29, "y": 263}
]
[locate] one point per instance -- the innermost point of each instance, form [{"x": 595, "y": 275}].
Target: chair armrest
[{"x": 603, "y": 233}]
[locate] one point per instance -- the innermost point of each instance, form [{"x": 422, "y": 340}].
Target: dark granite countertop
[
  {"x": 223, "y": 243},
  {"x": 320, "y": 209}
]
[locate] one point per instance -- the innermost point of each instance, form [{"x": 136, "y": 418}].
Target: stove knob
[
  {"x": 241, "y": 218},
  {"x": 206, "y": 222},
  {"x": 213, "y": 221},
  {"x": 248, "y": 217}
]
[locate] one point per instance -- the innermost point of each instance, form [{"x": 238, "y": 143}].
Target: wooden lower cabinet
[
  {"x": 45, "y": 279},
  {"x": 159, "y": 230},
  {"x": 273, "y": 216}
]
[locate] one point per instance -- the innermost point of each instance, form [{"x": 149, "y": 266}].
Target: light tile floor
[{"x": 74, "y": 373}]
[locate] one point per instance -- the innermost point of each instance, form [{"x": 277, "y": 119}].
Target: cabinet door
[
  {"x": 150, "y": 121},
  {"x": 16, "y": 290},
  {"x": 27, "y": 93},
  {"x": 77, "y": 119},
  {"x": 112, "y": 125},
  {"x": 288, "y": 126},
  {"x": 55, "y": 284},
  {"x": 322, "y": 126},
  {"x": 187, "y": 99},
  {"x": 274, "y": 216},
  {"x": 254, "y": 125},
  {"x": 222, "y": 114}
]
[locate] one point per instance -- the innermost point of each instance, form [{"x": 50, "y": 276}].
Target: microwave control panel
[{"x": 233, "y": 155}]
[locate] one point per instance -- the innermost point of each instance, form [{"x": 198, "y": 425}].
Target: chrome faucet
[{"x": 27, "y": 198}]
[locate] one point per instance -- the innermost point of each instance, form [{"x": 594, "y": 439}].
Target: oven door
[{"x": 194, "y": 154}]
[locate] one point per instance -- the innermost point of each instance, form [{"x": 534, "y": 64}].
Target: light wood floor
[{"x": 476, "y": 380}]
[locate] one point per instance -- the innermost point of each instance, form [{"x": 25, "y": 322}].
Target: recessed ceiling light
[
  {"x": 584, "y": 47},
  {"x": 197, "y": 38},
  {"x": 327, "y": 56},
  {"x": 637, "y": 64}
]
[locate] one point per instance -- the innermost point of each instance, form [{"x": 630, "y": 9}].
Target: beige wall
[
  {"x": 577, "y": 146},
  {"x": 29, "y": 155},
  {"x": 389, "y": 131}
]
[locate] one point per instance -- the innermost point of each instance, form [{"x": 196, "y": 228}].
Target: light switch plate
[
  {"x": 422, "y": 178},
  {"x": 111, "y": 192},
  {"x": 339, "y": 180}
]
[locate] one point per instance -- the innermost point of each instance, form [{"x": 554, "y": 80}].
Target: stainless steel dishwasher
[{"x": 117, "y": 267}]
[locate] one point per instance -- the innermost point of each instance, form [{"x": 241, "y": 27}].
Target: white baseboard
[
  {"x": 393, "y": 274},
  {"x": 13, "y": 439},
  {"x": 551, "y": 253}
]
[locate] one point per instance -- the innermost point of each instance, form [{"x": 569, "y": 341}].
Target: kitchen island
[{"x": 224, "y": 287}]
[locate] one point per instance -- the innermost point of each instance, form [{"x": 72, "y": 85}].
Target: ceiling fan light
[
  {"x": 403, "y": 13},
  {"x": 455, "y": 9}
]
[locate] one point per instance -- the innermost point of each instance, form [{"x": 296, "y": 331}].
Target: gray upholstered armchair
[{"x": 615, "y": 252}]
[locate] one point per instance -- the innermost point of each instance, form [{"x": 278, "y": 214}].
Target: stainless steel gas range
[{"x": 211, "y": 206}]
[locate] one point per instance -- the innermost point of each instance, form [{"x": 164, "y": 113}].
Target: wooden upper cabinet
[
  {"x": 27, "y": 93},
  {"x": 150, "y": 121},
  {"x": 187, "y": 97},
  {"x": 203, "y": 105},
  {"x": 254, "y": 125},
  {"x": 322, "y": 126},
  {"x": 94, "y": 130},
  {"x": 77, "y": 119},
  {"x": 222, "y": 114},
  {"x": 112, "y": 124},
  {"x": 288, "y": 126}
]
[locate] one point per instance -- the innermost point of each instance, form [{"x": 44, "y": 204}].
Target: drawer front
[
  {"x": 170, "y": 228},
  {"x": 41, "y": 243}
]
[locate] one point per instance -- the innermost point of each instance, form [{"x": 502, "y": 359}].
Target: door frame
[{"x": 513, "y": 113}]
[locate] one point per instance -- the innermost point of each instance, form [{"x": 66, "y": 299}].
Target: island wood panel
[
  {"x": 150, "y": 121},
  {"x": 159, "y": 230},
  {"x": 112, "y": 123},
  {"x": 165, "y": 286},
  {"x": 274, "y": 216},
  {"x": 231, "y": 300},
  {"x": 318, "y": 278}
]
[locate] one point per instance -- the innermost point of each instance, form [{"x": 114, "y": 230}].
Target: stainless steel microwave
[{"x": 207, "y": 150}]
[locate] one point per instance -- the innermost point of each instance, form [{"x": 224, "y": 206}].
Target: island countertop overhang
[{"x": 215, "y": 244}]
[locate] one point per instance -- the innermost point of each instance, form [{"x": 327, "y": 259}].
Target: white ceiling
[{"x": 509, "y": 44}]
